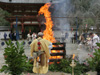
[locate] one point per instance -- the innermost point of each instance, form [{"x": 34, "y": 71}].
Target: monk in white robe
[{"x": 94, "y": 39}]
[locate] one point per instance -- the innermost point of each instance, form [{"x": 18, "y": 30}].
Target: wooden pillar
[
  {"x": 11, "y": 25},
  {"x": 40, "y": 29},
  {"x": 23, "y": 31}
]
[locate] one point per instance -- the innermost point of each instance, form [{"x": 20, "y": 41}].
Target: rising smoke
[{"x": 61, "y": 8}]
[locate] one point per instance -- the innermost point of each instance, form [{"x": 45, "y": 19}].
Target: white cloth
[
  {"x": 28, "y": 35},
  {"x": 50, "y": 47},
  {"x": 63, "y": 34},
  {"x": 0, "y": 36},
  {"x": 34, "y": 36},
  {"x": 95, "y": 40}
]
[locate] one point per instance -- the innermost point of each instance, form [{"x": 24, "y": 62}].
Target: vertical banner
[
  {"x": 17, "y": 32},
  {"x": 76, "y": 28}
]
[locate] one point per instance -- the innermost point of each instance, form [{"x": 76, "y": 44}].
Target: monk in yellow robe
[{"x": 45, "y": 46}]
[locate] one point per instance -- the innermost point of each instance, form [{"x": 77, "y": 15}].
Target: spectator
[
  {"x": 10, "y": 36},
  {"x": 85, "y": 35},
  {"x": 28, "y": 36},
  {"x": 5, "y": 36},
  {"x": 34, "y": 36},
  {"x": 66, "y": 35},
  {"x": 62, "y": 36},
  {"x": 94, "y": 39},
  {"x": 15, "y": 36},
  {"x": 81, "y": 39}
]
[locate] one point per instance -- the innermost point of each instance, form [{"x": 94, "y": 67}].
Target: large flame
[{"x": 48, "y": 33}]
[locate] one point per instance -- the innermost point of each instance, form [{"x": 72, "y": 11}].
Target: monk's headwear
[{"x": 40, "y": 34}]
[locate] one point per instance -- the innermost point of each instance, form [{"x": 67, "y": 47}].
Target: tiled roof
[{"x": 26, "y": 1}]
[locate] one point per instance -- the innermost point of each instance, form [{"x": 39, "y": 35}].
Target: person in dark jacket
[
  {"x": 15, "y": 36},
  {"x": 10, "y": 36},
  {"x": 5, "y": 36}
]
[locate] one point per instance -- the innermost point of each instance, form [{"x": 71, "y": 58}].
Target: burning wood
[{"x": 57, "y": 53}]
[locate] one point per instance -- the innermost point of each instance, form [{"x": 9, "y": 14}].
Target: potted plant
[
  {"x": 15, "y": 60},
  {"x": 94, "y": 60}
]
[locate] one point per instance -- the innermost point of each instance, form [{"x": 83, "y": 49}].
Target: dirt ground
[
  {"x": 71, "y": 48},
  {"x": 61, "y": 73},
  {"x": 52, "y": 73}
]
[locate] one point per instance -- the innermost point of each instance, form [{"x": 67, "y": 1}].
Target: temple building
[{"x": 24, "y": 14}]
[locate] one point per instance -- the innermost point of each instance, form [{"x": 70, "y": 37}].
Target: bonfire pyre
[{"x": 58, "y": 52}]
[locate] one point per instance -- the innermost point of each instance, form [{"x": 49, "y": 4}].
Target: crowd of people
[
  {"x": 12, "y": 36},
  {"x": 90, "y": 40},
  {"x": 31, "y": 36},
  {"x": 86, "y": 38}
]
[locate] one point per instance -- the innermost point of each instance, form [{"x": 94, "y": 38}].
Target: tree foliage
[
  {"x": 15, "y": 59},
  {"x": 3, "y": 14},
  {"x": 87, "y": 11}
]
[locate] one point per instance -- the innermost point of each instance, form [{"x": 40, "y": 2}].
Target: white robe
[{"x": 95, "y": 40}]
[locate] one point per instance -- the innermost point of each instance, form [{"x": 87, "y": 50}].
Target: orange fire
[
  {"x": 56, "y": 57},
  {"x": 73, "y": 56},
  {"x": 53, "y": 62},
  {"x": 57, "y": 51},
  {"x": 48, "y": 33},
  {"x": 59, "y": 57},
  {"x": 53, "y": 51}
]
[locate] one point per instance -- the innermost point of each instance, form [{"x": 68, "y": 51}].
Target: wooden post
[
  {"x": 22, "y": 29},
  {"x": 11, "y": 27},
  {"x": 39, "y": 23}
]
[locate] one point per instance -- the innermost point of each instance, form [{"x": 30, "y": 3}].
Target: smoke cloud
[{"x": 60, "y": 12}]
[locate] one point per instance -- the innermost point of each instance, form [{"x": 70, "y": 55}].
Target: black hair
[{"x": 91, "y": 34}]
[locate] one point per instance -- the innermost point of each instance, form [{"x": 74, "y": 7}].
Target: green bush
[
  {"x": 81, "y": 68},
  {"x": 15, "y": 59},
  {"x": 94, "y": 60},
  {"x": 64, "y": 66}
]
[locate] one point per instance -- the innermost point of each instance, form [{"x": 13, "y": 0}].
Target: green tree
[
  {"x": 87, "y": 11},
  {"x": 4, "y": 14},
  {"x": 15, "y": 59},
  {"x": 95, "y": 9}
]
